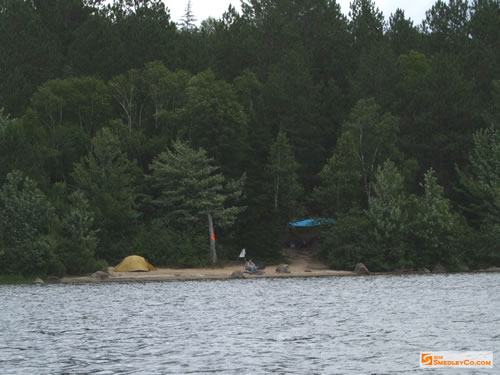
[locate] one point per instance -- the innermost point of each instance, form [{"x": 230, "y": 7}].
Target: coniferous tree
[
  {"x": 191, "y": 189},
  {"x": 25, "y": 214},
  {"x": 107, "y": 178},
  {"x": 376, "y": 138},
  {"x": 340, "y": 189},
  {"x": 387, "y": 208},
  {"x": 188, "y": 19},
  {"x": 282, "y": 170},
  {"x": 433, "y": 230}
]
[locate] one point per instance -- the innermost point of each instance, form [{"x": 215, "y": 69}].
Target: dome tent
[{"x": 134, "y": 263}]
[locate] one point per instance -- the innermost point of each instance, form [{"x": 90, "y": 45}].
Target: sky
[{"x": 202, "y": 9}]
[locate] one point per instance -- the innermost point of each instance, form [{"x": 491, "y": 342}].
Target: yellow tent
[{"x": 134, "y": 263}]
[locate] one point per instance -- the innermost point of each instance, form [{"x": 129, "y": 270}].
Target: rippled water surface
[{"x": 336, "y": 325}]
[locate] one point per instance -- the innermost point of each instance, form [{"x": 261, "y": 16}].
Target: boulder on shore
[
  {"x": 283, "y": 268},
  {"x": 361, "y": 269},
  {"x": 237, "y": 275},
  {"x": 38, "y": 281},
  {"x": 439, "y": 268},
  {"x": 100, "y": 275},
  {"x": 424, "y": 270}
]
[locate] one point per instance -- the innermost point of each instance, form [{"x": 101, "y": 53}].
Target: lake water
[{"x": 335, "y": 325}]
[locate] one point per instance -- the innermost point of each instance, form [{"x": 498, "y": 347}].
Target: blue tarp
[{"x": 311, "y": 222}]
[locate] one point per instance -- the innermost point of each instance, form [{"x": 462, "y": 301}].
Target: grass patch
[{"x": 15, "y": 280}]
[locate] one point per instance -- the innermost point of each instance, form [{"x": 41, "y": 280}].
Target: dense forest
[{"x": 123, "y": 132}]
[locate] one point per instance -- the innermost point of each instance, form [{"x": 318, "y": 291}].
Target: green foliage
[
  {"x": 189, "y": 187},
  {"x": 482, "y": 188},
  {"x": 340, "y": 187},
  {"x": 282, "y": 171},
  {"x": 229, "y": 87},
  {"x": 15, "y": 150},
  {"x": 107, "y": 177},
  {"x": 349, "y": 241},
  {"x": 25, "y": 214},
  {"x": 77, "y": 240},
  {"x": 376, "y": 136},
  {"x": 435, "y": 226},
  {"x": 482, "y": 184},
  {"x": 214, "y": 120},
  {"x": 398, "y": 231},
  {"x": 367, "y": 25},
  {"x": 389, "y": 213},
  {"x": 83, "y": 101},
  {"x": 165, "y": 246}
]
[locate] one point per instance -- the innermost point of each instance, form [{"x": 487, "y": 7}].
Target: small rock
[
  {"x": 361, "y": 269},
  {"x": 237, "y": 275},
  {"x": 283, "y": 268},
  {"x": 439, "y": 268},
  {"x": 100, "y": 275},
  {"x": 38, "y": 281},
  {"x": 424, "y": 270},
  {"x": 54, "y": 279},
  {"x": 307, "y": 271}
]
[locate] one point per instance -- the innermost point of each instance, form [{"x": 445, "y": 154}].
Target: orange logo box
[
  {"x": 457, "y": 359},
  {"x": 426, "y": 359}
]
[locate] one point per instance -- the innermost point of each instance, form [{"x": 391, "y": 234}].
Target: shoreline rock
[
  {"x": 100, "y": 275},
  {"x": 283, "y": 268},
  {"x": 38, "y": 281},
  {"x": 361, "y": 269},
  {"x": 439, "y": 268},
  {"x": 237, "y": 275}
]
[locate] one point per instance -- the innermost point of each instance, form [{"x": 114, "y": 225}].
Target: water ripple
[{"x": 348, "y": 325}]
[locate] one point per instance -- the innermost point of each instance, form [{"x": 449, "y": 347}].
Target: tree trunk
[{"x": 213, "y": 253}]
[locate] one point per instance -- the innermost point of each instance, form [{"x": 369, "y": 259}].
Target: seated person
[{"x": 250, "y": 266}]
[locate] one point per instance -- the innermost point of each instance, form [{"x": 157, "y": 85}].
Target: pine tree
[
  {"x": 191, "y": 189},
  {"x": 188, "y": 19},
  {"x": 25, "y": 214},
  {"x": 282, "y": 171},
  {"x": 107, "y": 179},
  {"x": 340, "y": 187}
]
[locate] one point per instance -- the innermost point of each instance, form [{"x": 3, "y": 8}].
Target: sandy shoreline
[
  {"x": 302, "y": 263},
  {"x": 184, "y": 274}
]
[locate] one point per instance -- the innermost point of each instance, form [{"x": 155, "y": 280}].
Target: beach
[{"x": 301, "y": 263}]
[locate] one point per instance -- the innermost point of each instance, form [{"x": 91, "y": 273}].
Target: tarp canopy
[
  {"x": 311, "y": 222},
  {"x": 134, "y": 263}
]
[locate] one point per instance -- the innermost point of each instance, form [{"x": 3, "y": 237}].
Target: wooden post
[{"x": 213, "y": 253}]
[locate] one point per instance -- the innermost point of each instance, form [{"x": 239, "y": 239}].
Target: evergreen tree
[
  {"x": 77, "y": 238},
  {"x": 25, "y": 214},
  {"x": 433, "y": 230},
  {"x": 282, "y": 169},
  {"x": 367, "y": 23},
  {"x": 188, "y": 19},
  {"x": 107, "y": 178},
  {"x": 376, "y": 138},
  {"x": 389, "y": 214},
  {"x": 340, "y": 189},
  {"x": 214, "y": 120},
  {"x": 190, "y": 189}
]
